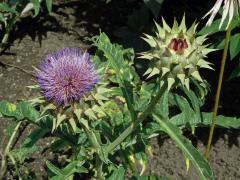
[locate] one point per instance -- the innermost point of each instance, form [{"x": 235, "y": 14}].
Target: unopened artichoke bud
[{"x": 176, "y": 53}]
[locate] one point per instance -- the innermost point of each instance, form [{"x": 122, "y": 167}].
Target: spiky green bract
[{"x": 176, "y": 53}]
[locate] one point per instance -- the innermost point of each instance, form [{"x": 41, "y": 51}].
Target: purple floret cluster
[{"x": 66, "y": 75}]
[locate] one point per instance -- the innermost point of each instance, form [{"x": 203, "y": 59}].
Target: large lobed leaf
[
  {"x": 205, "y": 120},
  {"x": 115, "y": 55},
  {"x": 4, "y": 7},
  {"x": 188, "y": 149},
  {"x": 29, "y": 145},
  {"x": 22, "y": 111}
]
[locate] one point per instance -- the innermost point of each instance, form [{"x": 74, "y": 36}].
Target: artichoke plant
[{"x": 176, "y": 53}]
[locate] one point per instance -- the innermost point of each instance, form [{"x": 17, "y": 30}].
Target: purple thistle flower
[{"x": 66, "y": 75}]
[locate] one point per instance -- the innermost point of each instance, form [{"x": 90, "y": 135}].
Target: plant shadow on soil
[{"x": 71, "y": 25}]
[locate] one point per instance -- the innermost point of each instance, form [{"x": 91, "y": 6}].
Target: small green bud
[{"x": 176, "y": 53}]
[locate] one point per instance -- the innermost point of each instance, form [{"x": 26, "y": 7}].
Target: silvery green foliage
[{"x": 89, "y": 126}]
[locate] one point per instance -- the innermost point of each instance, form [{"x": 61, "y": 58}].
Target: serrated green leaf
[
  {"x": 115, "y": 56},
  {"x": 145, "y": 95},
  {"x": 70, "y": 168},
  {"x": 200, "y": 164},
  {"x": 234, "y": 45},
  {"x": 162, "y": 107},
  {"x": 127, "y": 91},
  {"x": 118, "y": 174},
  {"x": 25, "y": 110},
  {"x": 205, "y": 120},
  {"x": 54, "y": 169},
  {"x": 6, "y": 8},
  {"x": 22, "y": 153},
  {"x": 29, "y": 144},
  {"x": 182, "y": 104},
  {"x": 222, "y": 121},
  {"x": 34, "y": 137},
  {"x": 193, "y": 99},
  {"x": 103, "y": 154}
]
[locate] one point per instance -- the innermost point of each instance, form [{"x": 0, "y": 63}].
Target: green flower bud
[{"x": 176, "y": 53}]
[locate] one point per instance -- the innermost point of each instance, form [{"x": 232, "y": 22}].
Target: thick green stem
[
  {"x": 129, "y": 130},
  {"x": 220, "y": 78}
]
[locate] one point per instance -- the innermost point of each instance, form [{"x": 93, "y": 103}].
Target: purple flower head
[{"x": 66, "y": 75}]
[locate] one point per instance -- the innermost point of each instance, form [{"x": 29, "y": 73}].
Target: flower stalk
[{"x": 219, "y": 87}]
